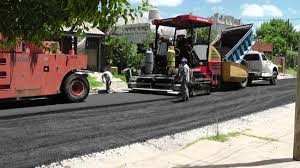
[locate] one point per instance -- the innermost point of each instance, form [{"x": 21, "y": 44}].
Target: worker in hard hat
[
  {"x": 107, "y": 78},
  {"x": 185, "y": 79}
]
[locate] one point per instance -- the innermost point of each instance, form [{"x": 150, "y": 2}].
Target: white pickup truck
[{"x": 259, "y": 67}]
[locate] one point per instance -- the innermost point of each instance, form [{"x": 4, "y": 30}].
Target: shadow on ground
[
  {"x": 229, "y": 88},
  {"x": 13, "y": 104},
  {"x": 72, "y": 109}
]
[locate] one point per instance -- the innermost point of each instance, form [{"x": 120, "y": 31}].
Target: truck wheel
[
  {"x": 273, "y": 79},
  {"x": 250, "y": 79},
  {"x": 76, "y": 88},
  {"x": 244, "y": 83}
]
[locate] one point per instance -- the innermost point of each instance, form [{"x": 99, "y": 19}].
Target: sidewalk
[
  {"x": 285, "y": 76},
  {"x": 264, "y": 139},
  {"x": 262, "y": 144}
]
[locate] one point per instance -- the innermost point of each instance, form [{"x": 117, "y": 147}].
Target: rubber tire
[
  {"x": 67, "y": 90},
  {"x": 273, "y": 80},
  {"x": 243, "y": 84},
  {"x": 250, "y": 81}
]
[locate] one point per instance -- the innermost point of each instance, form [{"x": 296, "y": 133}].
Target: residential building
[
  {"x": 263, "y": 47},
  {"x": 140, "y": 29},
  {"x": 223, "y": 21},
  {"x": 91, "y": 44}
]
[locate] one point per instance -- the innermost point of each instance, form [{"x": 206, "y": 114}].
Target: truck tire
[
  {"x": 76, "y": 88},
  {"x": 273, "y": 80},
  {"x": 244, "y": 83},
  {"x": 250, "y": 79}
]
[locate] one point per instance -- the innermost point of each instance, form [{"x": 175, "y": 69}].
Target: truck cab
[{"x": 259, "y": 67}]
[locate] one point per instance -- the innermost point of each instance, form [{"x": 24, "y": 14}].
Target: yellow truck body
[
  {"x": 231, "y": 71},
  {"x": 234, "y": 72}
]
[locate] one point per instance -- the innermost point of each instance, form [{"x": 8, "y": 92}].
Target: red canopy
[{"x": 184, "y": 22}]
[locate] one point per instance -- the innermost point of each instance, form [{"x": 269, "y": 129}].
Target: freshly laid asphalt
[{"x": 39, "y": 132}]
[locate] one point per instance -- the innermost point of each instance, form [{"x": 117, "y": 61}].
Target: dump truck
[
  {"x": 231, "y": 45},
  {"x": 30, "y": 71},
  {"x": 212, "y": 64}
]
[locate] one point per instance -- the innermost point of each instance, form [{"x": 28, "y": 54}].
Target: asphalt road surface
[{"x": 38, "y": 132}]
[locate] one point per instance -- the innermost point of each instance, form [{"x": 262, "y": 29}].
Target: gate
[{"x": 5, "y": 71}]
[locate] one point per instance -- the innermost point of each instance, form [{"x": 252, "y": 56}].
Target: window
[
  {"x": 201, "y": 35},
  {"x": 251, "y": 57},
  {"x": 264, "y": 57},
  {"x": 201, "y": 51}
]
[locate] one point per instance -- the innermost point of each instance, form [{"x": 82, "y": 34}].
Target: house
[
  {"x": 90, "y": 43},
  {"x": 264, "y": 47},
  {"x": 140, "y": 29}
]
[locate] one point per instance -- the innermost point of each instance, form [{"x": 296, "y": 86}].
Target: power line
[
  {"x": 295, "y": 19},
  {"x": 267, "y": 19}
]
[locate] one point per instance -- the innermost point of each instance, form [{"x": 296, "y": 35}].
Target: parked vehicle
[
  {"x": 233, "y": 43},
  {"x": 259, "y": 67},
  {"x": 211, "y": 65},
  {"x": 28, "y": 71}
]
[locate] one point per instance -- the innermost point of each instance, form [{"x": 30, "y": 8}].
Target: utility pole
[
  {"x": 287, "y": 38},
  {"x": 296, "y": 155}
]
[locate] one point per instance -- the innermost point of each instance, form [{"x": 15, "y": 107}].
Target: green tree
[
  {"x": 280, "y": 33},
  {"x": 291, "y": 59},
  {"x": 35, "y": 20},
  {"x": 203, "y": 33},
  {"x": 121, "y": 53}
]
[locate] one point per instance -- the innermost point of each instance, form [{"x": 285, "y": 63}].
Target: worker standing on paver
[
  {"x": 185, "y": 79},
  {"x": 107, "y": 78}
]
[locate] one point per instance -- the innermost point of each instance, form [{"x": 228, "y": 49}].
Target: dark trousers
[{"x": 108, "y": 84}]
